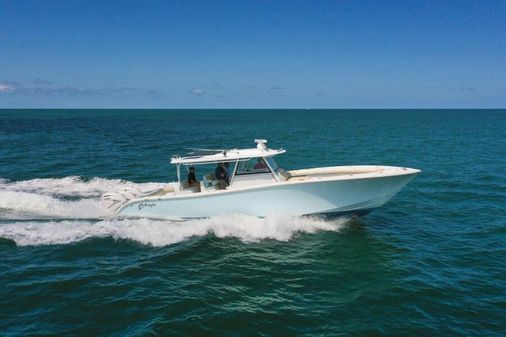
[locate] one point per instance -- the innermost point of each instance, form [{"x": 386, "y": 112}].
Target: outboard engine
[{"x": 114, "y": 200}]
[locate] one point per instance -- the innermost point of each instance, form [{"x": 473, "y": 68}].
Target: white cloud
[
  {"x": 6, "y": 87},
  {"x": 44, "y": 89},
  {"x": 197, "y": 92}
]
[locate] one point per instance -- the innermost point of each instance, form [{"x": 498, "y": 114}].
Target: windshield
[
  {"x": 252, "y": 166},
  {"x": 272, "y": 163}
]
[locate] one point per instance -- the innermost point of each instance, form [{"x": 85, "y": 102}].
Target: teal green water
[{"x": 430, "y": 262}]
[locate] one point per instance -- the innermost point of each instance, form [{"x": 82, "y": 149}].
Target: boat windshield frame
[{"x": 271, "y": 167}]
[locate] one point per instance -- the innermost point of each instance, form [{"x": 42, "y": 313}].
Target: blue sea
[{"x": 431, "y": 262}]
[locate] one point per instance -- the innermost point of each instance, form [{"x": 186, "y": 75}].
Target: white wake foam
[
  {"x": 23, "y": 205},
  {"x": 72, "y": 186},
  {"x": 50, "y": 197},
  {"x": 161, "y": 233}
]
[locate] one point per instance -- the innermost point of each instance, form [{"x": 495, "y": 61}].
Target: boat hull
[{"x": 340, "y": 196}]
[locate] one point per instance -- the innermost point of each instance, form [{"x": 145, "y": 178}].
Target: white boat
[{"x": 256, "y": 185}]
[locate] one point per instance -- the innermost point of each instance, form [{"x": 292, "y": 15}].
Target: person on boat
[
  {"x": 192, "y": 179},
  {"x": 227, "y": 168},
  {"x": 260, "y": 164},
  {"x": 221, "y": 176}
]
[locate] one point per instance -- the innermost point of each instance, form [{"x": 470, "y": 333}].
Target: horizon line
[{"x": 260, "y": 108}]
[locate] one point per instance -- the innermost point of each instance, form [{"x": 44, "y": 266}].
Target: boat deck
[
  {"x": 336, "y": 171},
  {"x": 293, "y": 176}
]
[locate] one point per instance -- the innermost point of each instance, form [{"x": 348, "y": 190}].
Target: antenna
[{"x": 261, "y": 144}]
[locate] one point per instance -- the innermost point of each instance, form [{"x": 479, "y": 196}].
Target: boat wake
[
  {"x": 66, "y": 210},
  {"x": 69, "y": 197},
  {"x": 163, "y": 232}
]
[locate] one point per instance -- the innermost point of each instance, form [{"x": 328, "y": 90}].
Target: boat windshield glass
[
  {"x": 252, "y": 166},
  {"x": 272, "y": 163}
]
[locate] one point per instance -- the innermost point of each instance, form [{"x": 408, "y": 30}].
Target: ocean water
[{"x": 430, "y": 262}]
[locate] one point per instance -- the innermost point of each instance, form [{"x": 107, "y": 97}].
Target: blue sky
[{"x": 252, "y": 54}]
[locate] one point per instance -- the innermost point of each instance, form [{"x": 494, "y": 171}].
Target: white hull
[{"x": 345, "y": 189}]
